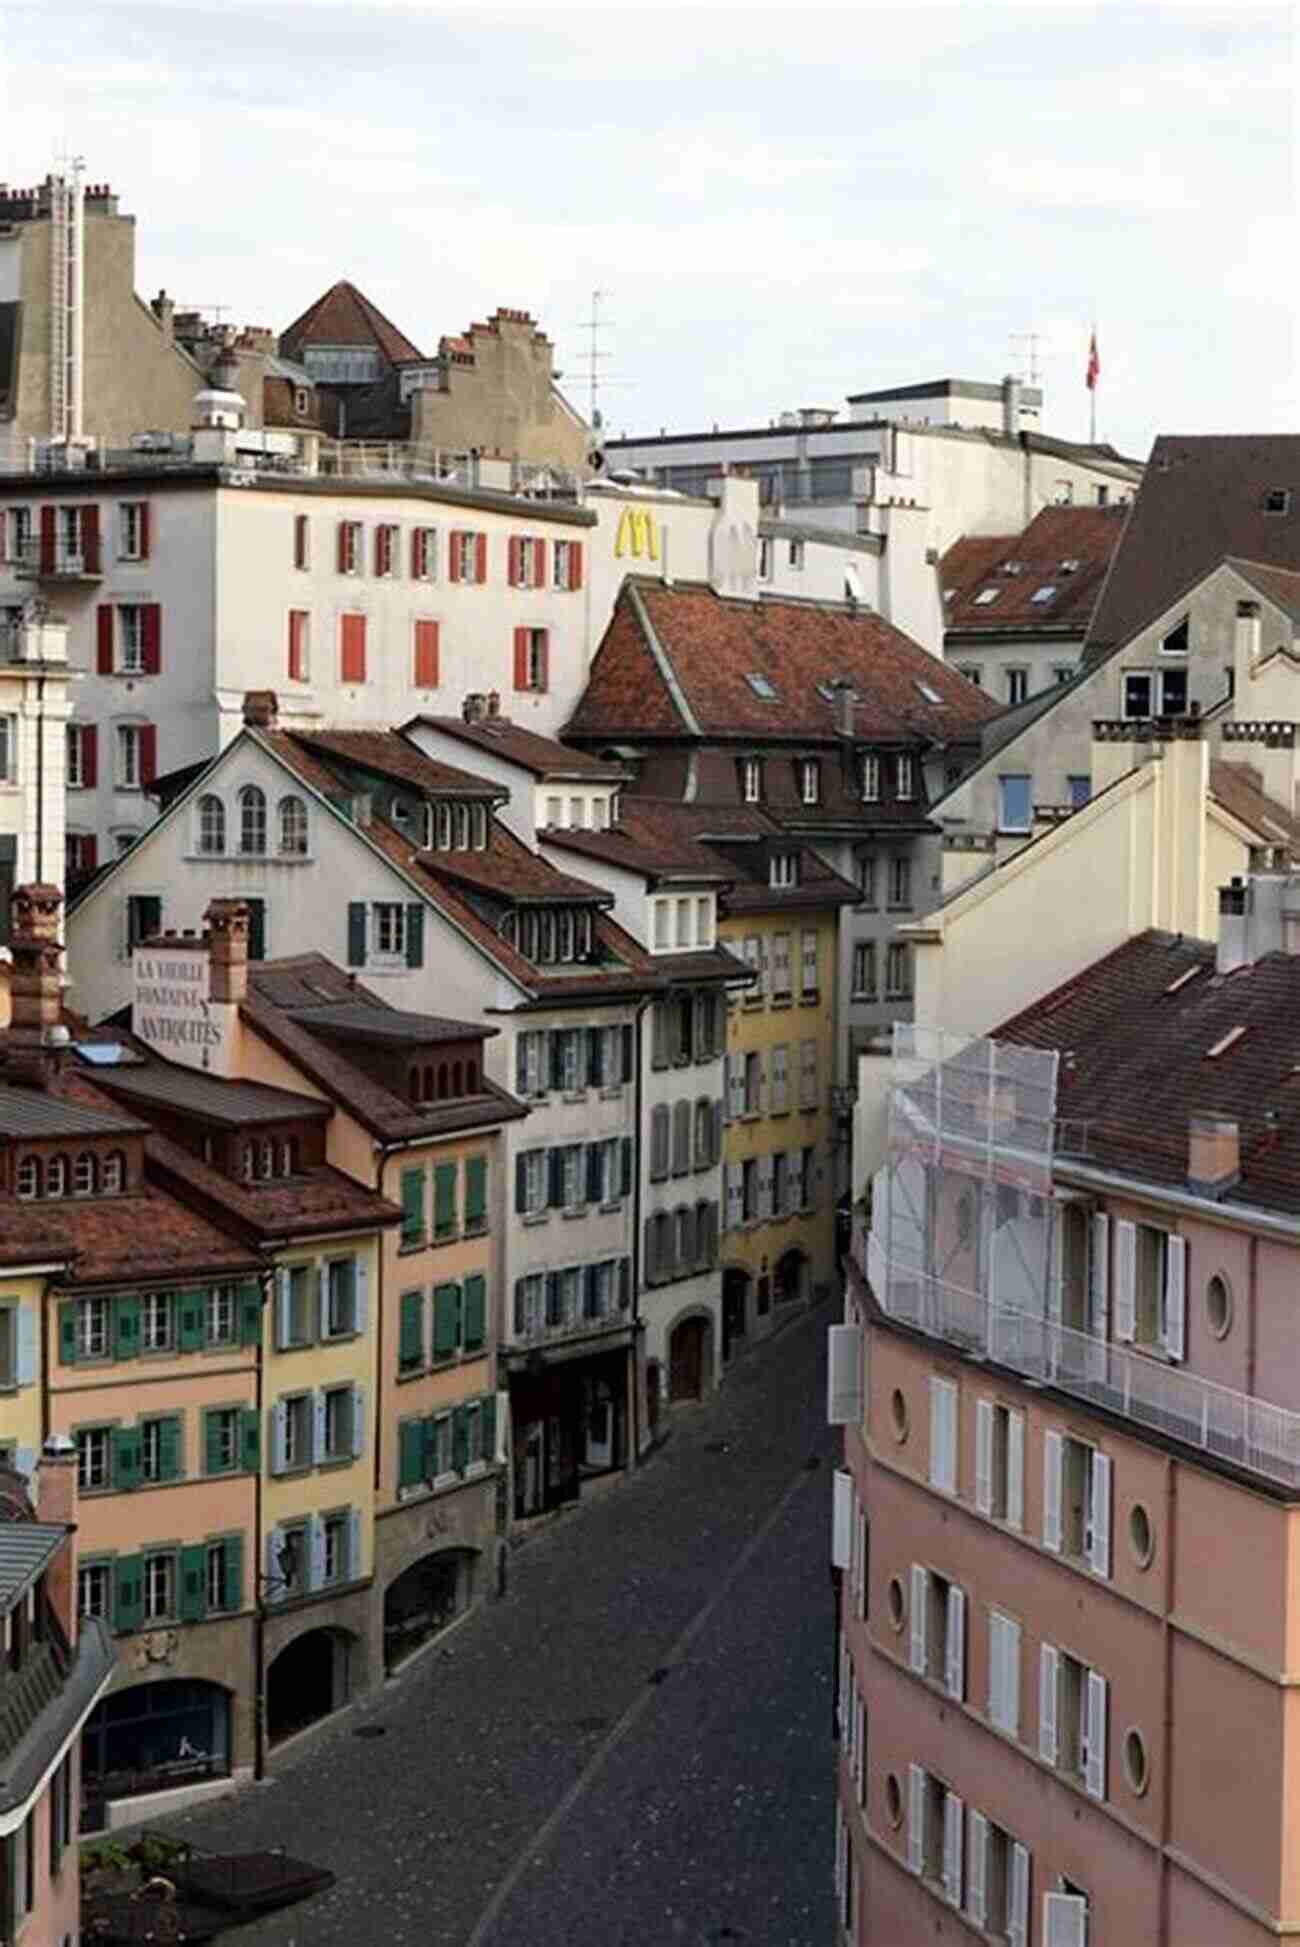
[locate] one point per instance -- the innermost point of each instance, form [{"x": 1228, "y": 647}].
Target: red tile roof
[
  {"x": 391, "y": 755},
  {"x": 543, "y": 757},
  {"x": 1239, "y": 788},
  {"x": 343, "y": 315},
  {"x": 1087, "y": 536},
  {"x": 1280, "y": 585},
  {"x": 712, "y": 647}
]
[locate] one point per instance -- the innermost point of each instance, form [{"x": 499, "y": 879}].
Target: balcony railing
[
  {"x": 1251, "y": 1433},
  {"x": 34, "y": 563},
  {"x": 534, "y": 1331}
]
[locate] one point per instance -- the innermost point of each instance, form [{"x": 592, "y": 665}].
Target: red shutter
[
  {"x": 343, "y": 547},
  {"x": 575, "y": 564},
  {"x": 515, "y": 569},
  {"x": 89, "y": 854},
  {"x": 148, "y": 752},
  {"x": 103, "y": 638},
  {"x": 90, "y": 539},
  {"x": 47, "y": 540},
  {"x": 354, "y": 649},
  {"x": 300, "y": 540},
  {"x": 521, "y": 659},
  {"x": 295, "y": 645},
  {"x": 89, "y": 754},
  {"x": 417, "y": 554},
  {"x": 539, "y": 564},
  {"x": 426, "y": 655},
  {"x": 455, "y": 556},
  {"x": 480, "y": 557},
  {"x": 144, "y": 530},
  {"x": 152, "y": 616},
  {"x": 544, "y": 660}
]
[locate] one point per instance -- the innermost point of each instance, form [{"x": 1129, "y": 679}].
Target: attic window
[
  {"x": 1176, "y": 642},
  {"x": 1222, "y": 1045},
  {"x": 761, "y": 686},
  {"x": 1043, "y": 594},
  {"x": 1013, "y": 568},
  {"x": 985, "y": 596},
  {"x": 1277, "y": 500},
  {"x": 1069, "y": 566},
  {"x": 930, "y": 695},
  {"x": 1182, "y": 980}
]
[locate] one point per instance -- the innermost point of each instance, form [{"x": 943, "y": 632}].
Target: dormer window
[
  {"x": 455, "y": 827},
  {"x": 56, "y": 1177},
  {"x": 784, "y": 869},
  {"x": 870, "y": 779},
  {"x": 111, "y": 1177},
  {"x": 1277, "y": 500},
  {"x": 987, "y": 596},
  {"x": 903, "y": 777},
  {"x": 83, "y": 1175},
  {"x": 751, "y": 780},
  {"x": 27, "y": 1182},
  {"x": 809, "y": 780},
  {"x": 559, "y": 935}
]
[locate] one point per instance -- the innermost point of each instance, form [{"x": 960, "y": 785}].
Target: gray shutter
[{"x": 357, "y": 914}]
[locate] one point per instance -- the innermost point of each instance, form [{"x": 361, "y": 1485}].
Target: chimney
[
  {"x": 471, "y": 710},
  {"x": 845, "y": 701},
  {"x": 1246, "y": 646},
  {"x": 261, "y": 709},
  {"x": 164, "y": 309},
  {"x": 36, "y": 1036},
  {"x": 1232, "y": 950},
  {"x": 494, "y": 703},
  {"x": 227, "y": 925},
  {"x": 56, "y": 1500},
  {"x": 1011, "y": 406},
  {"x": 1213, "y": 1155}
]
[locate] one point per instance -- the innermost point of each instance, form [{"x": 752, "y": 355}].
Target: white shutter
[
  {"x": 283, "y": 1296},
  {"x": 1175, "y": 1296},
  {"x": 1125, "y": 1280},
  {"x": 954, "y": 1827},
  {"x": 915, "y": 1818},
  {"x": 1048, "y": 1666},
  {"x": 275, "y": 1591},
  {"x": 322, "y": 1300},
  {"x": 1099, "y": 1276},
  {"x": 1018, "y": 1898},
  {"x": 943, "y": 1435},
  {"x": 25, "y": 1346},
  {"x": 363, "y": 1294},
  {"x": 984, "y": 1456},
  {"x": 358, "y": 1420},
  {"x": 1094, "y": 1764},
  {"x": 997, "y": 1671},
  {"x": 731, "y": 1174},
  {"x": 316, "y": 1555},
  {"x": 977, "y": 1861},
  {"x": 1065, "y": 1920},
  {"x": 842, "y": 1519},
  {"x": 1015, "y": 1470},
  {"x": 842, "y": 1685},
  {"x": 1099, "y": 1536},
  {"x": 955, "y": 1659},
  {"x": 764, "y": 1187},
  {"x": 279, "y": 1435},
  {"x": 1053, "y": 1470},
  {"x": 844, "y": 1376},
  {"x": 318, "y": 1425},
  {"x": 354, "y": 1544},
  {"x": 919, "y": 1618}
]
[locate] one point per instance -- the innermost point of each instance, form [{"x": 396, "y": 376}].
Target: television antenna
[{"x": 1024, "y": 353}]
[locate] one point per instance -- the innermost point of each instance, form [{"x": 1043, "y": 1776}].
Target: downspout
[
  {"x": 259, "y": 1541},
  {"x": 384, "y": 1155},
  {"x": 40, "y": 778},
  {"x": 1167, "y": 1675},
  {"x": 637, "y": 1095}
]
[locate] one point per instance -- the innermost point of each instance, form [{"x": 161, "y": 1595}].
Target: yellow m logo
[{"x": 636, "y": 534}]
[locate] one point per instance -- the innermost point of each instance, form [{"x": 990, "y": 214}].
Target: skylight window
[
  {"x": 761, "y": 686},
  {"x": 1069, "y": 566},
  {"x": 985, "y": 596},
  {"x": 1277, "y": 500},
  {"x": 1013, "y": 567},
  {"x": 930, "y": 695},
  {"x": 1044, "y": 594}
]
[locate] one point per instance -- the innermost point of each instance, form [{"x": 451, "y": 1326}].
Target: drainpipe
[
  {"x": 40, "y": 778},
  {"x": 638, "y": 1038},
  {"x": 384, "y": 1154},
  {"x": 259, "y": 1542},
  {"x": 1252, "y": 1286},
  {"x": 1167, "y": 1660}
]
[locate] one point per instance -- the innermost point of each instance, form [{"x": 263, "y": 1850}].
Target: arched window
[
  {"x": 462, "y": 828},
  {"x": 414, "y": 1086},
  {"x": 28, "y": 1180},
  {"x": 56, "y": 1177},
  {"x": 442, "y": 1080},
  {"x": 480, "y": 822},
  {"x": 584, "y": 935},
  {"x": 212, "y": 825},
  {"x": 546, "y": 937},
  {"x": 252, "y": 821},
  {"x": 471, "y": 1078},
  {"x": 266, "y": 1158},
  {"x": 457, "y": 1079},
  {"x": 442, "y": 827},
  {"x": 289, "y": 1157},
  {"x": 293, "y": 828},
  {"x": 83, "y": 1175},
  {"x": 564, "y": 935},
  {"x": 113, "y": 1176},
  {"x": 246, "y": 1163}
]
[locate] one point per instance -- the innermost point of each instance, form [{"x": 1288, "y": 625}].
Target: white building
[{"x": 34, "y": 705}]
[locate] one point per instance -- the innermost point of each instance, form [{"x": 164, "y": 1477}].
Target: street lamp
[{"x": 282, "y": 1583}]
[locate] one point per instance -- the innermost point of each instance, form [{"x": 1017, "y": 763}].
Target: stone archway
[
  {"x": 425, "y": 1599},
  {"x": 156, "y": 1736},
  {"x": 790, "y": 1284},
  {"x": 690, "y": 1358},
  {"x": 309, "y": 1679}
]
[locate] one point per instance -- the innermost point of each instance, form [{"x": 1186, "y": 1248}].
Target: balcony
[
  {"x": 35, "y": 563},
  {"x": 1236, "y": 1427},
  {"x": 537, "y": 1334}
]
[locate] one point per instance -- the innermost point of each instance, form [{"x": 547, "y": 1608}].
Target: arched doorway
[
  {"x": 735, "y": 1308},
  {"x": 424, "y": 1599},
  {"x": 311, "y": 1677},
  {"x": 155, "y": 1737},
  {"x": 791, "y": 1281},
  {"x": 688, "y": 1359}
]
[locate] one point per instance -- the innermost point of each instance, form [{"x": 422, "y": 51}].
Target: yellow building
[
  {"x": 22, "y": 1290},
  {"x": 781, "y": 916}
]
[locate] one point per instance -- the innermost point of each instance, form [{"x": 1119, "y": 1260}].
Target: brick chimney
[
  {"x": 227, "y": 925},
  {"x": 1213, "y": 1155},
  {"x": 34, "y": 1053},
  {"x": 56, "y": 1500},
  {"x": 261, "y": 709}
]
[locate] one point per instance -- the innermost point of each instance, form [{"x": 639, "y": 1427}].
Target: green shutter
[
  {"x": 250, "y": 1314},
  {"x": 232, "y": 1572},
  {"x": 193, "y": 1307},
  {"x": 410, "y": 1453},
  {"x": 476, "y": 1193},
  {"x": 169, "y": 1448},
  {"x": 444, "y": 1200},
  {"x": 128, "y": 1592},
  {"x": 429, "y": 1447},
  {"x": 212, "y": 1440},
  {"x": 488, "y": 1409},
  {"x": 357, "y": 933},
  {"x": 415, "y": 936},
  {"x": 126, "y": 1325},
  {"x": 194, "y": 1583},
  {"x": 250, "y": 1439},
  {"x": 125, "y": 1443},
  {"x": 68, "y": 1332},
  {"x": 446, "y": 1319},
  {"x": 410, "y": 1349},
  {"x": 412, "y": 1206},
  {"x": 460, "y": 1439},
  {"x": 475, "y": 1311}
]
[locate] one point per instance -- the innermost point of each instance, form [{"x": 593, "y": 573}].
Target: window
[
  {"x": 91, "y": 1329},
  {"x": 898, "y": 971},
  {"x": 796, "y": 556},
  {"x": 973, "y": 673},
  {"x": 864, "y": 970},
  {"x": 27, "y": 1181},
  {"x": 1015, "y": 803},
  {"x": 82, "y": 754},
  {"x": 704, "y": 923},
  {"x": 764, "y": 558},
  {"x": 296, "y": 1433},
  {"x": 159, "y": 1587},
  {"x": 295, "y": 1320},
  {"x": 943, "y": 1435},
  {"x": 221, "y": 1440},
  {"x": 1078, "y": 792},
  {"x": 532, "y": 656},
  {"x": 783, "y": 869},
  {"x": 752, "y": 953},
  {"x": 299, "y": 645},
  {"x": 133, "y": 530},
  {"x": 806, "y": 1184},
  {"x": 938, "y": 1631},
  {"x": 252, "y": 821},
  {"x": 212, "y": 825},
  {"x": 567, "y": 565},
  {"x": 135, "y": 748},
  {"x": 761, "y": 686},
  {"x": 1062, "y": 672},
  {"x": 997, "y": 1880},
  {"x": 782, "y": 982},
  {"x": 340, "y": 1432},
  {"x": 352, "y": 648},
  {"x": 935, "y": 1832},
  {"x": 1072, "y": 1718},
  {"x": 1076, "y": 1501},
  {"x": 904, "y": 777},
  {"x": 1137, "y": 693},
  {"x": 386, "y": 549},
  {"x": 342, "y": 1299},
  {"x": 870, "y": 779},
  {"x": 1277, "y": 500},
  {"x": 753, "y": 1096},
  {"x": 999, "y": 1462},
  {"x": 809, "y": 976},
  {"x": 426, "y": 655},
  {"x": 224, "y": 1574},
  {"x": 92, "y": 1458},
  {"x": 1150, "y": 1288},
  {"x": 808, "y": 1094},
  {"x": 157, "y": 1319},
  {"x": 1176, "y": 643},
  {"x": 301, "y": 541},
  {"x": 900, "y": 881},
  {"x": 530, "y": 1062},
  {"x": 19, "y": 534},
  {"x": 1004, "y": 1673},
  {"x": 292, "y": 819},
  {"x": 468, "y": 556},
  {"x": 93, "y": 1589},
  {"x": 526, "y": 563},
  {"x": 867, "y": 878},
  {"x": 751, "y": 780},
  {"x": 424, "y": 554},
  {"x": 160, "y": 1449},
  {"x": 350, "y": 546},
  {"x": 809, "y": 781},
  {"x": 1017, "y": 685},
  {"x": 388, "y": 919},
  {"x": 685, "y": 916},
  {"x": 56, "y": 1174}
]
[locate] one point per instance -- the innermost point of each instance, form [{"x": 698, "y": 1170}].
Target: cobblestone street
[{"x": 633, "y": 1747}]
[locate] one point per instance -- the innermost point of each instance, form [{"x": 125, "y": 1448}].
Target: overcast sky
[{"x": 783, "y": 205}]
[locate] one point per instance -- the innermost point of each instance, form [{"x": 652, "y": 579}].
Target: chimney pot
[
  {"x": 1213, "y": 1154},
  {"x": 261, "y": 708},
  {"x": 227, "y": 924}
]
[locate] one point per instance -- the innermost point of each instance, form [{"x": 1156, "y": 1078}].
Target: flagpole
[{"x": 1092, "y": 405}]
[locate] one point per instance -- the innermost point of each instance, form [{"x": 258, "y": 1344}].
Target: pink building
[
  {"x": 1068, "y": 1523},
  {"x": 53, "y": 1670}
]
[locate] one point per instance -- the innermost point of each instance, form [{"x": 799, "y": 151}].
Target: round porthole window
[
  {"x": 893, "y": 1801},
  {"x": 1218, "y": 1305},
  {"x": 898, "y": 1414},
  {"x": 897, "y": 1607},
  {"x": 1135, "y": 1761},
  {"x": 1141, "y": 1535}
]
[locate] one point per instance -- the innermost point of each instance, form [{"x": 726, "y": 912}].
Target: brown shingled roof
[
  {"x": 343, "y": 315},
  {"x": 1087, "y": 536},
  {"x": 389, "y": 754},
  {"x": 1239, "y": 788},
  {"x": 544, "y": 757}
]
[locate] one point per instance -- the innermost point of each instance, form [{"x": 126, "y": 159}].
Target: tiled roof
[
  {"x": 1136, "y": 1042},
  {"x": 389, "y": 754},
  {"x": 1239, "y": 788},
  {"x": 318, "y": 1199},
  {"x": 343, "y": 315},
  {"x": 32, "y": 1113},
  {"x": 26, "y": 1549},
  {"x": 1201, "y": 498},
  {"x": 976, "y": 565},
  {"x": 211, "y": 1098},
  {"x": 544, "y": 757},
  {"x": 359, "y": 1020},
  {"x": 653, "y": 837},
  {"x": 47, "y": 1706},
  {"x": 508, "y": 871},
  {"x": 1279, "y": 585},
  {"x": 712, "y": 648}
]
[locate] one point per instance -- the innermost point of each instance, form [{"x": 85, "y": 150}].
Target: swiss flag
[{"x": 1094, "y": 364}]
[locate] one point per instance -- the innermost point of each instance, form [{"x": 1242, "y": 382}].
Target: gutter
[{"x": 1248, "y": 1217}]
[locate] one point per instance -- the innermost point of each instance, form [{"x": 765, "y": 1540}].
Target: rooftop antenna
[
  {"x": 594, "y": 358},
  {"x": 1024, "y": 352}
]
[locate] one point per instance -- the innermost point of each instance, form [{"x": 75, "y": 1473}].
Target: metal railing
[
  {"x": 540, "y": 1331},
  {"x": 1237, "y": 1427}
]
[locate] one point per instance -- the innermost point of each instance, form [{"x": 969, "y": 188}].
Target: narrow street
[{"x": 632, "y": 1748}]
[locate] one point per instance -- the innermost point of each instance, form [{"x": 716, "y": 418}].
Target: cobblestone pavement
[{"x": 632, "y": 1749}]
